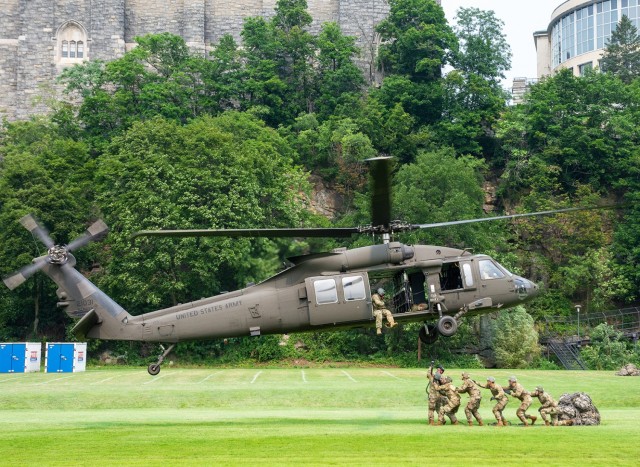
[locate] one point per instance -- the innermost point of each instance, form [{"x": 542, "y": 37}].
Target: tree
[
  {"x": 473, "y": 97},
  {"x": 416, "y": 45},
  {"x": 225, "y": 172},
  {"x": 621, "y": 55},
  {"x": 48, "y": 175},
  {"x": 515, "y": 340},
  {"x": 606, "y": 350}
]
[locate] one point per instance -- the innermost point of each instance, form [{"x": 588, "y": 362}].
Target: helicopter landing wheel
[
  {"x": 447, "y": 326},
  {"x": 153, "y": 369},
  {"x": 428, "y": 334}
]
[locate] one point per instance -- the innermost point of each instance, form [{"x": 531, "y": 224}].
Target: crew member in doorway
[{"x": 380, "y": 309}]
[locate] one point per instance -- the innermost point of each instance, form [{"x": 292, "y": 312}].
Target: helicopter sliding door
[{"x": 338, "y": 299}]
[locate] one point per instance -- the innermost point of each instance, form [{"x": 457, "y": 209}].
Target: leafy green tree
[
  {"x": 474, "y": 98},
  {"x": 339, "y": 82},
  {"x": 621, "y": 55},
  {"x": 224, "y": 172},
  {"x": 416, "y": 45},
  {"x": 606, "y": 350},
  {"x": 48, "y": 175},
  {"x": 515, "y": 339}
]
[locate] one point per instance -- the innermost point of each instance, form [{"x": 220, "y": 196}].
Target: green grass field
[{"x": 311, "y": 416}]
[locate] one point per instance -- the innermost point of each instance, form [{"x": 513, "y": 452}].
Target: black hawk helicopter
[{"x": 333, "y": 290}]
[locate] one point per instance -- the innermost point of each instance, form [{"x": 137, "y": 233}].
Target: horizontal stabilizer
[{"x": 83, "y": 326}]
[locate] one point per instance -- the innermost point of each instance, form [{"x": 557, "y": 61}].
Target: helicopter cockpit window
[
  {"x": 353, "y": 288},
  {"x": 326, "y": 291},
  {"x": 488, "y": 270}
]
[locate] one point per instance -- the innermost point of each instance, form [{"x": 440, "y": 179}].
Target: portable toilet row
[
  {"x": 19, "y": 357},
  {"x": 60, "y": 357}
]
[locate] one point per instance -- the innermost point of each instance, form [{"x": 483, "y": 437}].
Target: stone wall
[{"x": 32, "y": 33}]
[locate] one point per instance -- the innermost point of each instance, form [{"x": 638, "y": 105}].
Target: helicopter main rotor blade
[
  {"x": 269, "y": 233},
  {"x": 510, "y": 216},
  {"x": 380, "y": 173},
  {"x": 32, "y": 225},
  {"x": 95, "y": 230},
  {"x": 18, "y": 277}
]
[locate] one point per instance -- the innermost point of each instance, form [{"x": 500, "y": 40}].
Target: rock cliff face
[{"x": 324, "y": 201}]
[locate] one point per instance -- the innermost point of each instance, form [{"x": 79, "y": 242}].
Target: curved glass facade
[{"x": 588, "y": 28}]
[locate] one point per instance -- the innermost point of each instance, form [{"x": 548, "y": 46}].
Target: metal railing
[{"x": 580, "y": 325}]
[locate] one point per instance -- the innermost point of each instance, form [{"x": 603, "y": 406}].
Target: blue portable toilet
[
  {"x": 66, "y": 357},
  {"x": 19, "y": 357}
]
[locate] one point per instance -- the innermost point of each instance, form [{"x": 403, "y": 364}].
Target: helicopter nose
[{"x": 525, "y": 288}]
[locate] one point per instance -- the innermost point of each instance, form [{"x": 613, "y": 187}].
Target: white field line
[
  {"x": 393, "y": 376},
  {"x": 155, "y": 378},
  {"x": 349, "y": 376},
  {"x": 102, "y": 381},
  {"x": 52, "y": 380},
  {"x": 210, "y": 376},
  {"x": 304, "y": 377},
  {"x": 256, "y": 377},
  {"x": 8, "y": 379}
]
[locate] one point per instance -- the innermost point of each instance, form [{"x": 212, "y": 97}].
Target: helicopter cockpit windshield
[{"x": 491, "y": 270}]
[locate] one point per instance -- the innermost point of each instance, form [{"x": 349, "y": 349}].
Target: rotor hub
[{"x": 58, "y": 254}]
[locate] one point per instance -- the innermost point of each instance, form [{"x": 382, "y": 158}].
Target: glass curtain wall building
[{"x": 578, "y": 32}]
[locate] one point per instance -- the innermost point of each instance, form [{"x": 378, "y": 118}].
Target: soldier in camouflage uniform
[
  {"x": 435, "y": 399},
  {"x": 379, "y": 309},
  {"x": 449, "y": 409},
  {"x": 471, "y": 388},
  {"x": 516, "y": 390},
  {"x": 548, "y": 406},
  {"x": 499, "y": 396}
]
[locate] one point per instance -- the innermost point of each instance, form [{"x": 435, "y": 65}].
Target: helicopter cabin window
[
  {"x": 353, "y": 288},
  {"x": 326, "y": 291},
  {"x": 450, "y": 277},
  {"x": 468, "y": 275},
  {"x": 488, "y": 270}
]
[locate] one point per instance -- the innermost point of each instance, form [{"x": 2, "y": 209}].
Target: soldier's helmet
[
  {"x": 436, "y": 376},
  {"x": 465, "y": 375},
  {"x": 513, "y": 379},
  {"x": 491, "y": 379},
  {"x": 441, "y": 368},
  {"x": 539, "y": 389},
  {"x": 381, "y": 291}
]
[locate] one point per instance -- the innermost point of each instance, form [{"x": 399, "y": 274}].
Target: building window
[
  {"x": 585, "y": 30},
  {"x": 72, "y": 40},
  {"x": 582, "y": 69},
  {"x": 606, "y": 20}
]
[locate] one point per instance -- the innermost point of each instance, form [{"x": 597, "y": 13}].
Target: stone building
[{"x": 39, "y": 38}]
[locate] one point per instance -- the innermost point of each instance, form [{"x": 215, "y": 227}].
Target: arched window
[{"x": 72, "y": 43}]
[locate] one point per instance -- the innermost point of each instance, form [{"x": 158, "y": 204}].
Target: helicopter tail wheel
[
  {"x": 428, "y": 334},
  {"x": 447, "y": 326},
  {"x": 154, "y": 368}
]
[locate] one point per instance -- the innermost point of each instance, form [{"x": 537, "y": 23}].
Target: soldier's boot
[
  {"x": 499, "y": 423},
  {"x": 431, "y": 421},
  {"x": 392, "y": 323},
  {"x": 469, "y": 422},
  {"x": 480, "y": 422},
  {"x": 378, "y": 331},
  {"x": 546, "y": 423},
  {"x": 533, "y": 418}
]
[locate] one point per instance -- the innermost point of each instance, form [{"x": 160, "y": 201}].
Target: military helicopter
[{"x": 325, "y": 291}]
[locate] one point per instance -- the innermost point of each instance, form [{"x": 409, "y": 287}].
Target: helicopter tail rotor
[{"x": 56, "y": 254}]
